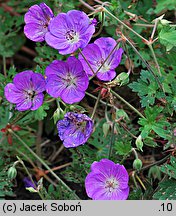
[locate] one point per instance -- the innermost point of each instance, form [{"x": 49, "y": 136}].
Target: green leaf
[
  {"x": 167, "y": 190},
  {"x": 150, "y": 142},
  {"x": 151, "y": 123},
  {"x": 6, "y": 185},
  {"x": 170, "y": 169},
  {"x": 11, "y": 40},
  {"x": 100, "y": 142},
  {"x": 164, "y": 5},
  {"x": 122, "y": 148},
  {"x": 41, "y": 113},
  {"x": 167, "y": 37},
  {"x": 136, "y": 194},
  {"x": 146, "y": 88}
]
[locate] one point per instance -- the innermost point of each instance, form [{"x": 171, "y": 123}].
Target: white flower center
[
  {"x": 111, "y": 184},
  {"x": 30, "y": 94},
  {"x": 72, "y": 36},
  {"x": 69, "y": 80}
]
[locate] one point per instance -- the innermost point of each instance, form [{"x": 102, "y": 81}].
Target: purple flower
[
  {"x": 26, "y": 90},
  {"x": 75, "y": 129},
  {"x": 67, "y": 80},
  {"x": 96, "y": 53},
  {"x": 107, "y": 181},
  {"x": 37, "y": 20},
  {"x": 28, "y": 183},
  {"x": 70, "y": 31}
]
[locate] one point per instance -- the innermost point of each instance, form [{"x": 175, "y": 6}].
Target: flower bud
[
  {"x": 58, "y": 114},
  {"x": 137, "y": 164},
  {"x": 122, "y": 79},
  {"x": 12, "y": 173},
  {"x": 155, "y": 173},
  {"x": 106, "y": 128},
  {"x": 139, "y": 143}
]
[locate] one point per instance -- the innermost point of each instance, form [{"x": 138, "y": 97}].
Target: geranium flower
[
  {"x": 70, "y": 31},
  {"x": 75, "y": 129},
  {"x": 37, "y": 20},
  {"x": 96, "y": 53},
  {"x": 107, "y": 181},
  {"x": 26, "y": 90},
  {"x": 66, "y": 80}
]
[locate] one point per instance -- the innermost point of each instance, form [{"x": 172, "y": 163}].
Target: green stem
[
  {"x": 146, "y": 64},
  {"x": 49, "y": 101},
  {"x": 116, "y": 18},
  {"x": 155, "y": 163},
  {"x": 101, "y": 101},
  {"x": 155, "y": 59},
  {"x": 134, "y": 179},
  {"x": 128, "y": 104},
  {"x": 150, "y": 25},
  {"x": 140, "y": 181},
  {"x": 42, "y": 162},
  {"x": 126, "y": 129},
  {"x": 4, "y": 66},
  {"x": 20, "y": 115},
  {"x": 96, "y": 105},
  {"x": 154, "y": 29},
  {"x": 135, "y": 153},
  {"x": 112, "y": 141},
  {"x": 38, "y": 141}
]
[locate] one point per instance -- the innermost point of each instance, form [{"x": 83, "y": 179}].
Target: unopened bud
[
  {"x": 106, "y": 128},
  {"x": 122, "y": 79},
  {"x": 137, "y": 164},
  {"x": 12, "y": 173},
  {"x": 155, "y": 173},
  {"x": 139, "y": 143},
  {"x": 58, "y": 114}
]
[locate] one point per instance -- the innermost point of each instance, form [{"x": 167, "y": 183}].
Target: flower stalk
[
  {"x": 96, "y": 105},
  {"x": 128, "y": 104}
]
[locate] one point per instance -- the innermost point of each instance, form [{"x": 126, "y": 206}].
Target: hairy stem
[
  {"x": 128, "y": 104},
  {"x": 155, "y": 163},
  {"x": 101, "y": 101},
  {"x": 111, "y": 141},
  {"x": 122, "y": 23},
  {"x": 141, "y": 183},
  {"x": 145, "y": 63},
  {"x": 96, "y": 105},
  {"x": 155, "y": 59},
  {"x": 154, "y": 29}
]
